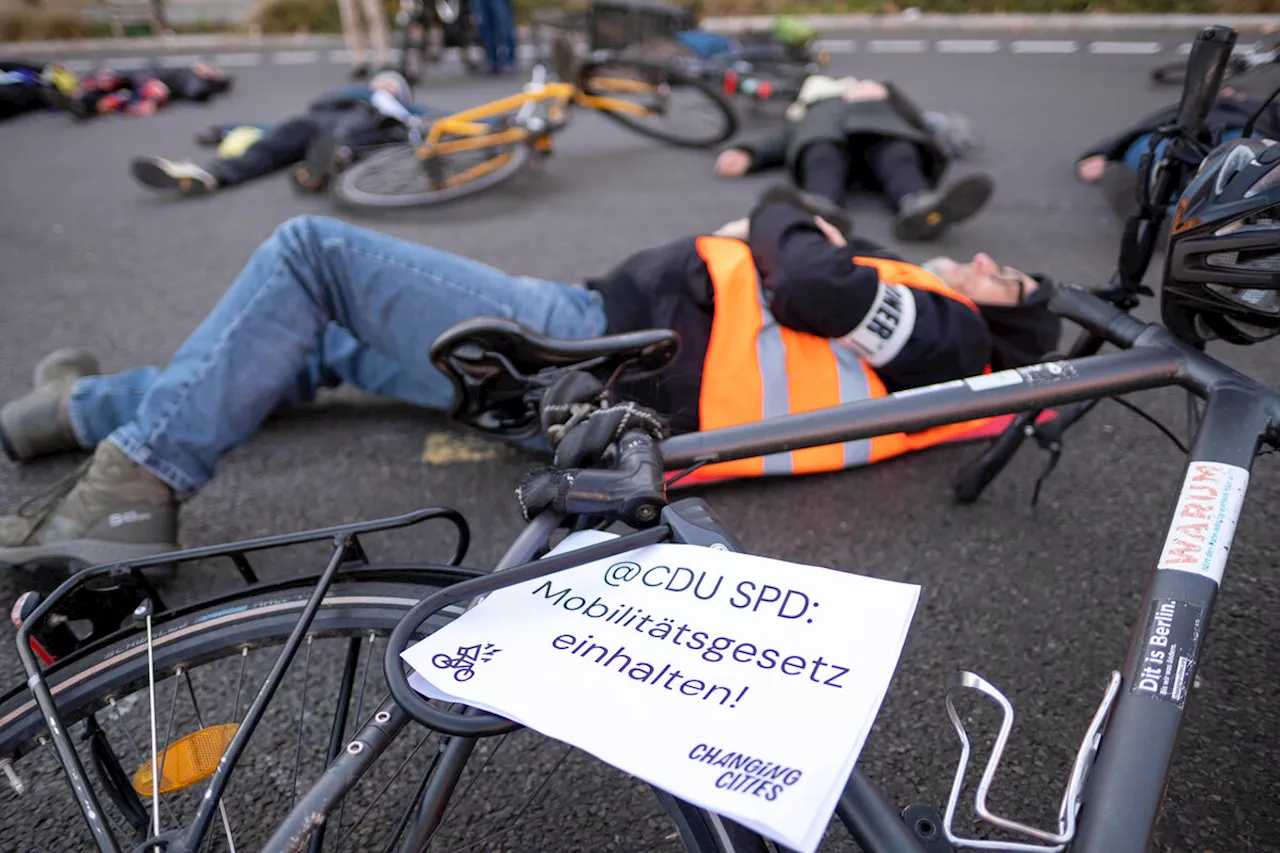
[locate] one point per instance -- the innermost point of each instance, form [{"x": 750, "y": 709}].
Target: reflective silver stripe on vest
[
  {"x": 772, "y": 354},
  {"x": 853, "y": 386},
  {"x": 776, "y": 388}
]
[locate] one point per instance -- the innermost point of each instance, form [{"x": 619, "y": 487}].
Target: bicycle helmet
[{"x": 1222, "y": 275}]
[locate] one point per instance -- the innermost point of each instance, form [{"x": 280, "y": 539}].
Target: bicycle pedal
[{"x": 1052, "y": 842}]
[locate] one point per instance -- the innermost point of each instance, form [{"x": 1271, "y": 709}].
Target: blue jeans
[
  {"x": 320, "y": 303},
  {"x": 497, "y": 32},
  {"x": 1137, "y": 148}
]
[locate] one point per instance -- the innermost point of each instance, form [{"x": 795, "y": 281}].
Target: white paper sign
[{"x": 744, "y": 685}]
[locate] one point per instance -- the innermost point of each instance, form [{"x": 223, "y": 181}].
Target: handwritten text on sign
[{"x": 704, "y": 658}]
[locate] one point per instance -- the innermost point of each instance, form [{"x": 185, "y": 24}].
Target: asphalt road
[{"x": 1040, "y": 602}]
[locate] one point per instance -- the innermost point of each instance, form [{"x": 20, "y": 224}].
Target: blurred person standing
[
  {"x": 497, "y": 34},
  {"x": 356, "y": 16}
]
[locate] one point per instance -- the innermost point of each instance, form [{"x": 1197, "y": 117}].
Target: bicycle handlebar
[
  {"x": 1102, "y": 322},
  {"x": 1097, "y": 316},
  {"x": 1210, "y": 53},
  {"x": 633, "y": 491}
]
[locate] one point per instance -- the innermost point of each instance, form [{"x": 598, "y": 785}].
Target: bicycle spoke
[
  {"x": 222, "y": 806},
  {"x": 373, "y": 802},
  {"x": 244, "y": 660},
  {"x": 412, "y": 805},
  {"x": 364, "y": 679},
  {"x": 653, "y": 845},
  {"x": 157, "y": 771},
  {"x": 137, "y": 751},
  {"x": 471, "y": 783},
  {"x": 151, "y": 696},
  {"x": 515, "y": 821},
  {"x": 302, "y": 715}
]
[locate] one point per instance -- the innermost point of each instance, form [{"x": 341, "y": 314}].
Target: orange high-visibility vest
[{"x": 756, "y": 369}]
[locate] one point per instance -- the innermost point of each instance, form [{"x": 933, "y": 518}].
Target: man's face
[{"x": 983, "y": 280}]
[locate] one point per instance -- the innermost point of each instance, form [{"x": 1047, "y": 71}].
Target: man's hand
[
  {"x": 1090, "y": 169},
  {"x": 738, "y": 229},
  {"x": 733, "y": 163},
  {"x": 832, "y": 233},
  {"x": 865, "y": 90}
]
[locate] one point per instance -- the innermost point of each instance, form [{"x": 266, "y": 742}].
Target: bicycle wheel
[
  {"x": 209, "y": 661},
  {"x": 675, "y": 107},
  {"x": 394, "y": 177},
  {"x": 413, "y": 38}
]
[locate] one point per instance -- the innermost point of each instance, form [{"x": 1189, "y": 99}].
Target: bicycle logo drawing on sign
[{"x": 464, "y": 665}]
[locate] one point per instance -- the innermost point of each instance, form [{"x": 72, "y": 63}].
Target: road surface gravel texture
[{"x": 1040, "y": 601}]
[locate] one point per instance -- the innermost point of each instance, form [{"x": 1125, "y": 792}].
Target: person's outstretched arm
[
  {"x": 766, "y": 151},
  {"x": 911, "y": 337}
]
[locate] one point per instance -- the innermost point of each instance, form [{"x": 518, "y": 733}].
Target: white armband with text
[{"x": 886, "y": 328}]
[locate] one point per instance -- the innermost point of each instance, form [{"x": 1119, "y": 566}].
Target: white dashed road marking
[
  {"x": 178, "y": 60},
  {"x": 897, "y": 45},
  {"x": 237, "y": 59},
  {"x": 1125, "y": 47},
  {"x": 1043, "y": 46},
  {"x": 836, "y": 45},
  {"x": 967, "y": 46},
  {"x": 297, "y": 57}
]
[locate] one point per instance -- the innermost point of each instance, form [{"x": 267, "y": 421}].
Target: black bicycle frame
[
  {"x": 1123, "y": 791},
  {"x": 1126, "y": 783},
  {"x": 1124, "y": 788}
]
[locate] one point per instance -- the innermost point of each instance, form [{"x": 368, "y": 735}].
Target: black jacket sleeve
[
  {"x": 911, "y": 337},
  {"x": 1227, "y": 113},
  {"x": 768, "y": 151},
  {"x": 906, "y": 108}
]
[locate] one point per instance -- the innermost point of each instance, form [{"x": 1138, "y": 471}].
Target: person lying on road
[
  {"x": 849, "y": 133},
  {"x": 323, "y": 303},
  {"x": 141, "y": 91},
  {"x": 1111, "y": 164},
  {"x": 321, "y": 141},
  {"x": 26, "y": 86}
]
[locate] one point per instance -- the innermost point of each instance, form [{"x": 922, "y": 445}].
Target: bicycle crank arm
[{"x": 1052, "y": 841}]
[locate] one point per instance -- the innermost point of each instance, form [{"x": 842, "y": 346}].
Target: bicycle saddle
[{"x": 497, "y": 366}]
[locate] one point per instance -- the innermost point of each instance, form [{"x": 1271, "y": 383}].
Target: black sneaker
[
  {"x": 325, "y": 159},
  {"x": 926, "y": 215},
  {"x": 821, "y": 207},
  {"x": 161, "y": 174}
]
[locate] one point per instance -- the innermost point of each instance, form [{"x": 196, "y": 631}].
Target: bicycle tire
[
  {"x": 80, "y": 683},
  {"x": 371, "y": 599},
  {"x": 402, "y": 160},
  {"x": 674, "y": 78}
]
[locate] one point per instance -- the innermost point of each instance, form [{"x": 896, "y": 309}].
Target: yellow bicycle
[{"x": 476, "y": 149}]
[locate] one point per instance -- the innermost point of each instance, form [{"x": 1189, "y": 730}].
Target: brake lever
[{"x": 1050, "y": 435}]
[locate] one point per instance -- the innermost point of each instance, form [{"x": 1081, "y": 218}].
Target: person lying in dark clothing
[
  {"x": 1112, "y": 164},
  {"x": 26, "y": 87},
  {"x": 142, "y": 91},
  {"x": 850, "y": 133},
  {"x": 319, "y": 142},
  {"x": 777, "y": 313}
]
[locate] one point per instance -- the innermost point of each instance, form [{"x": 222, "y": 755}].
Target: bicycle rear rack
[{"x": 1053, "y": 841}]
